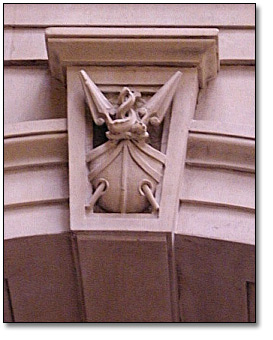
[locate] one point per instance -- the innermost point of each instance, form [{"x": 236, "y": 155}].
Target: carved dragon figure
[{"x": 125, "y": 170}]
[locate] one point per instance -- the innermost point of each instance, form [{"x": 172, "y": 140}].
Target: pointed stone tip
[
  {"x": 178, "y": 74},
  {"x": 84, "y": 78},
  {"x": 174, "y": 79},
  {"x": 83, "y": 74}
]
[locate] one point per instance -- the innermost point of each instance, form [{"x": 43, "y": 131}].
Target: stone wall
[{"x": 208, "y": 273}]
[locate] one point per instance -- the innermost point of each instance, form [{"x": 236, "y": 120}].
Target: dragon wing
[
  {"x": 99, "y": 106},
  {"x": 155, "y": 109}
]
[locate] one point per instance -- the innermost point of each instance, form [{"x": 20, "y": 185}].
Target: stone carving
[{"x": 125, "y": 171}]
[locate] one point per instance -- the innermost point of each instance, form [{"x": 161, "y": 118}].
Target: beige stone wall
[
  {"x": 215, "y": 227},
  {"x": 25, "y": 43}
]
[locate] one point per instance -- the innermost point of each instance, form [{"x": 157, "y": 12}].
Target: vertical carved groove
[
  {"x": 123, "y": 198},
  {"x": 75, "y": 252},
  {"x": 250, "y": 294},
  {"x": 6, "y": 283}
]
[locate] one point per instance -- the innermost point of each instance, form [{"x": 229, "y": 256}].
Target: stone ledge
[{"x": 107, "y": 47}]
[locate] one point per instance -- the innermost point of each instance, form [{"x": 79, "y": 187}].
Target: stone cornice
[{"x": 133, "y": 46}]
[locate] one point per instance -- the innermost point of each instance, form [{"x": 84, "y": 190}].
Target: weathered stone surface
[{"x": 193, "y": 260}]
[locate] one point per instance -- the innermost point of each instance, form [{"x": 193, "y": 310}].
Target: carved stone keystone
[{"x": 124, "y": 171}]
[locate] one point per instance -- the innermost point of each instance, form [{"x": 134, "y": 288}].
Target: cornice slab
[{"x": 133, "y": 46}]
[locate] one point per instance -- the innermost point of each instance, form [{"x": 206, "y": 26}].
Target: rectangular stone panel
[
  {"x": 36, "y": 219},
  {"x": 42, "y": 281},
  {"x": 212, "y": 277},
  {"x": 32, "y": 94},
  {"x": 24, "y": 44},
  {"x": 218, "y": 186},
  {"x": 230, "y": 97},
  {"x": 237, "y": 46},
  {"x": 125, "y": 277},
  {"x": 39, "y": 185},
  {"x": 216, "y": 221}
]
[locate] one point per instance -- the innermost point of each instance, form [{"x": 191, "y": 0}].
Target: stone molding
[
  {"x": 154, "y": 15},
  {"x": 23, "y": 46},
  {"x": 36, "y": 152},
  {"x": 34, "y": 144},
  {"x": 222, "y": 152},
  {"x": 112, "y": 47},
  {"x": 35, "y": 127}
]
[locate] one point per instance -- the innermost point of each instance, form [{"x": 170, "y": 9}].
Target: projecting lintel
[{"x": 76, "y": 46}]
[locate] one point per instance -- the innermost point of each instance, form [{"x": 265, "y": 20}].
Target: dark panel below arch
[{"x": 41, "y": 280}]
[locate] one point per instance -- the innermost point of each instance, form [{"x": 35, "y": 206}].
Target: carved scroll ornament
[{"x": 125, "y": 171}]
